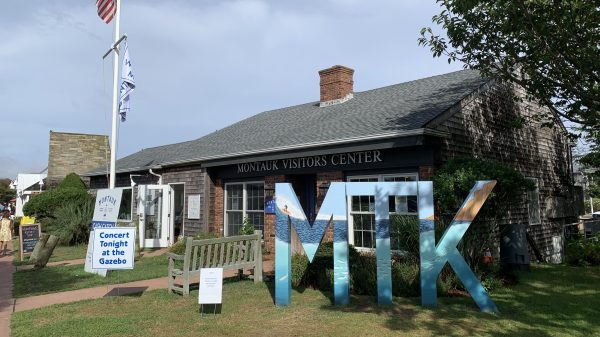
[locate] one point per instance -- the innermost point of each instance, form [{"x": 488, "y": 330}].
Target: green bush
[
  {"x": 72, "y": 180},
  {"x": 299, "y": 266},
  {"x": 319, "y": 273},
  {"x": 456, "y": 178},
  {"x": 406, "y": 278},
  {"x": 583, "y": 252},
  {"x": 72, "y": 222},
  {"x": 363, "y": 275},
  {"x": 179, "y": 246},
  {"x": 247, "y": 227},
  {"x": 45, "y": 204}
]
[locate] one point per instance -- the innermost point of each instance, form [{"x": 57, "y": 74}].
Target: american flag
[{"x": 106, "y": 9}]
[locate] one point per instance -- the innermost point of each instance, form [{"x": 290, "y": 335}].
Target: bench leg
[{"x": 186, "y": 287}]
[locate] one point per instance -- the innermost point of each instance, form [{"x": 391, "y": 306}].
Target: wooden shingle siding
[
  {"x": 484, "y": 125},
  {"x": 193, "y": 178}
]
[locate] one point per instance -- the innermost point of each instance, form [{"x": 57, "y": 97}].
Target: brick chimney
[{"x": 336, "y": 85}]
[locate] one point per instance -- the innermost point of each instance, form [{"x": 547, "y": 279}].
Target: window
[
  {"x": 125, "y": 209},
  {"x": 533, "y": 203},
  {"x": 403, "y": 213},
  {"x": 244, "y": 200}
]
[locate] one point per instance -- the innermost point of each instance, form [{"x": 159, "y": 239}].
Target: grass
[
  {"x": 60, "y": 253},
  {"x": 549, "y": 301},
  {"x": 64, "y": 278}
]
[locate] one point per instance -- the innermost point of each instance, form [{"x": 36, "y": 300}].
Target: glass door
[{"x": 155, "y": 225}]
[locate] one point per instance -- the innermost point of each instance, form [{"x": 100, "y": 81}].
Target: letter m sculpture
[{"x": 289, "y": 210}]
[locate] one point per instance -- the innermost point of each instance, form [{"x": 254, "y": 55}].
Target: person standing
[{"x": 5, "y": 233}]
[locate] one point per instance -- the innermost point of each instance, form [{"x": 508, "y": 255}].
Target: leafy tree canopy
[
  {"x": 5, "y": 192},
  {"x": 549, "y": 47},
  {"x": 456, "y": 178}
]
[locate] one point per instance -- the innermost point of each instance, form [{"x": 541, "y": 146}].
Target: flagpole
[{"x": 115, "y": 105}]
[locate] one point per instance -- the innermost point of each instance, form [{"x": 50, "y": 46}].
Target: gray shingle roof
[{"x": 392, "y": 109}]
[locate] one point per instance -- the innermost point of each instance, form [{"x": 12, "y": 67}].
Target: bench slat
[
  {"x": 202, "y": 256},
  {"x": 227, "y": 248},
  {"x": 195, "y": 259},
  {"x": 221, "y": 253},
  {"x": 208, "y": 257}
]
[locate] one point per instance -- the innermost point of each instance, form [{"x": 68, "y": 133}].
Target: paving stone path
[{"x": 8, "y": 305}]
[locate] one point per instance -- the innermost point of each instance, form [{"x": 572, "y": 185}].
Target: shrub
[
  {"x": 247, "y": 227},
  {"x": 179, "y": 246},
  {"x": 583, "y": 252},
  {"x": 406, "y": 278},
  {"x": 299, "y": 266},
  {"x": 363, "y": 275},
  {"x": 319, "y": 273},
  {"x": 72, "y": 180},
  {"x": 45, "y": 204},
  {"x": 72, "y": 222}
]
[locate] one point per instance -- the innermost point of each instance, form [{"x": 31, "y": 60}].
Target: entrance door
[{"x": 153, "y": 209}]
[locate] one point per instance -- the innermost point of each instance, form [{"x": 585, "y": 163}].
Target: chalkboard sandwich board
[{"x": 29, "y": 235}]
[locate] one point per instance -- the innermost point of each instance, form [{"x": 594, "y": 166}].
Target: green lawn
[
  {"x": 63, "y": 278},
  {"x": 60, "y": 253},
  {"x": 549, "y": 301}
]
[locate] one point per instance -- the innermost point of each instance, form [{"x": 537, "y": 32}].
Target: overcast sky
[{"x": 199, "y": 65}]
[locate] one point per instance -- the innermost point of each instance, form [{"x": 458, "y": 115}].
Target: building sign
[
  {"x": 332, "y": 160},
  {"x": 269, "y": 204},
  {"x": 193, "y": 206},
  {"x": 433, "y": 257},
  {"x": 113, "y": 248}
]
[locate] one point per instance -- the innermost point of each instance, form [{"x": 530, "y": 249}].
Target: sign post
[
  {"x": 29, "y": 235},
  {"x": 106, "y": 213}
]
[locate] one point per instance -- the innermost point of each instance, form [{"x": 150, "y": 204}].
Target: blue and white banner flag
[{"x": 127, "y": 84}]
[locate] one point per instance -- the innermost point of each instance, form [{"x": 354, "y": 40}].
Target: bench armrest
[{"x": 175, "y": 256}]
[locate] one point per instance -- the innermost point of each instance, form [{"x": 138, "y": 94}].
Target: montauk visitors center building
[{"x": 402, "y": 132}]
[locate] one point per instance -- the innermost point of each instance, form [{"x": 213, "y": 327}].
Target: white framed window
[
  {"x": 244, "y": 199},
  {"x": 126, "y": 206},
  {"x": 533, "y": 203},
  {"x": 361, "y": 209}
]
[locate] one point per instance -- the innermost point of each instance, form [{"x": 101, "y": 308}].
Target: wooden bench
[{"x": 229, "y": 253}]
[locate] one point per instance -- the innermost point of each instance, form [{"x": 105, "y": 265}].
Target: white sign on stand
[
  {"x": 106, "y": 213},
  {"x": 211, "y": 286},
  {"x": 114, "y": 248},
  {"x": 88, "y": 258}
]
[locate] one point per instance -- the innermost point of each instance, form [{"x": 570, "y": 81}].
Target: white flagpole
[{"x": 115, "y": 107}]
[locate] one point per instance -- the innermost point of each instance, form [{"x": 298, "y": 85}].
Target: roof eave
[{"x": 382, "y": 136}]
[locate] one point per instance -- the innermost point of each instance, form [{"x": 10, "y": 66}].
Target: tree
[
  {"x": 549, "y": 47},
  {"x": 5, "y": 192}
]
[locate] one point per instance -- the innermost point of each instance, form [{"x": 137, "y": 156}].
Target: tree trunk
[
  {"x": 46, "y": 252},
  {"x": 38, "y": 247}
]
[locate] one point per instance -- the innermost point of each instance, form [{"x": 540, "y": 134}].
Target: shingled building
[{"x": 402, "y": 132}]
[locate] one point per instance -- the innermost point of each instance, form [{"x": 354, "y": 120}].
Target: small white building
[{"x": 26, "y": 185}]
